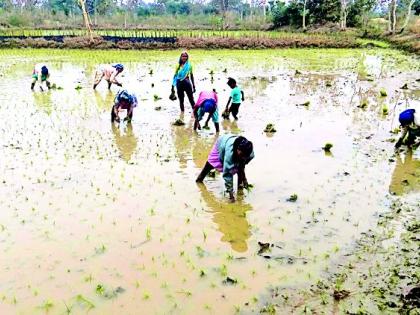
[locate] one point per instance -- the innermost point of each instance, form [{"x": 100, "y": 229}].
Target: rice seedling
[
  {"x": 146, "y": 295},
  {"x": 383, "y": 93},
  {"x": 270, "y": 128},
  {"x": 292, "y": 198},
  {"x": 84, "y": 302},
  {"x": 327, "y": 147}
]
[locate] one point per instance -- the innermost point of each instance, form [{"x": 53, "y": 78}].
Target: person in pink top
[
  {"x": 109, "y": 73},
  {"x": 206, "y": 103}
]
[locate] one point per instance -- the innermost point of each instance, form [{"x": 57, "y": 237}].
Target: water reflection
[
  {"x": 406, "y": 176},
  {"x": 230, "y": 218},
  {"x": 104, "y": 100},
  {"x": 182, "y": 140},
  {"x": 230, "y": 126},
  {"x": 125, "y": 140},
  {"x": 43, "y": 101}
]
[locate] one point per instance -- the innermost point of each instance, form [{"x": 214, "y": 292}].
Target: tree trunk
[
  {"x": 407, "y": 17},
  {"x": 95, "y": 12},
  {"x": 343, "y": 14},
  {"x": 389, "y": 19},
  {"x": 304, "y": 15},
  {"x": 86, "y": 19},
  {"x": 393, "y": 15}
]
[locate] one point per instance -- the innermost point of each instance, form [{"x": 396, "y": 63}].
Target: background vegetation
[{"x": 384, "y": 15}]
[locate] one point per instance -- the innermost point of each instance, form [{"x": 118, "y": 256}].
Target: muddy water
[{"x": 105, "y": 220}]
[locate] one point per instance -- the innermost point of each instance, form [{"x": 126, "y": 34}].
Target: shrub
[{"x": 16, "y": 20}]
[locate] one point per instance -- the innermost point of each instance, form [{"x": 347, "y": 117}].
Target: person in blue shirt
[{"x": 123, "y": 100}]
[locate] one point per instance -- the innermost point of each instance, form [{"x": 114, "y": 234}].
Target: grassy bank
[{"x": 154, "y": 39}]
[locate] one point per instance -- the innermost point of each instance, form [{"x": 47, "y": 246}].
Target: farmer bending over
[
  {"x": 236, "y": 96},
  {"x": 229, "y": 155},
  {"x": 40, "y": 75},
  {"x": 123, "y": 100},
  {"x": 410, "y": 124},
  {"x": 206, "y": 103},
  {"x": 109, "y": 73}
]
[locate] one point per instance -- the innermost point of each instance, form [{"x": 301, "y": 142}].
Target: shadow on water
[
  {"x": 126, "y": 141},
  {"x": 230, "y": 218},
  {"x": 406, "y": 176}
]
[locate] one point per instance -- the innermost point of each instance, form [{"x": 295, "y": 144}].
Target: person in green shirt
[{"x": 236, "y": 96}]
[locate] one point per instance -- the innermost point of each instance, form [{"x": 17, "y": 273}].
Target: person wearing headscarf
[
  {"x": 183, "y": 81},
  {"x": 109, "y": 73},
  {"x": 410, "y": 125},
  {"x": 206, "y": 103},
  {"x": 123, "y": 100},
  {"x": 40, "y": 75},
  {"x": 229, "y": 156}
]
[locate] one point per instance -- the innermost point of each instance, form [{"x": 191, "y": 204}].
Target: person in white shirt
[{"x": 109, "y": 73}]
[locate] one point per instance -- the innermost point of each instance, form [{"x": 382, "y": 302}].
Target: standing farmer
[
  {"x": 183, "y": 80},
  {"x": 229, "y": 155},
  {"x": 40, "y": 75},
  {"x": 206, "y": 103},
  {"x": 109, "y": 73}
]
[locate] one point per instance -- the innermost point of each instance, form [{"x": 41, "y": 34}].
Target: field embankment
[{"x": 140, "y": 39}]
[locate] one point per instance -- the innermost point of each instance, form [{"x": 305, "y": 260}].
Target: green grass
[{"x": 175, "y": 33}]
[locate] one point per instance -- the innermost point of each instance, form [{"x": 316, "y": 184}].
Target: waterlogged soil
[{"x": 105, "y": 219}]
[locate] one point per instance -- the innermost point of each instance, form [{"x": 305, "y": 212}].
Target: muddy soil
[{"x": 105, "y": 220}]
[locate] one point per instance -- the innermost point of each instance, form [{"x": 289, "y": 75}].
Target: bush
[{"x": 16, "y": 20}]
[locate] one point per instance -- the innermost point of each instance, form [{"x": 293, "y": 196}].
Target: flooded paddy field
[{"x": 101, "y": 220}]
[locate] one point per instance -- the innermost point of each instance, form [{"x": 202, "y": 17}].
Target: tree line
[{"x": 280, "y": 13}]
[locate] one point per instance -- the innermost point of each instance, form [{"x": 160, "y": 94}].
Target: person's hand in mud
[
  {"x": 398, "y": 144},
  {"x": 206, "y": 124},
  {"x": 244, "y": 184},
  {"x": 242, "y": 181}
]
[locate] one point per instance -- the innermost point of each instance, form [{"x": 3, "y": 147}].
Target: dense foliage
[{"x": 217, "y": 13}]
